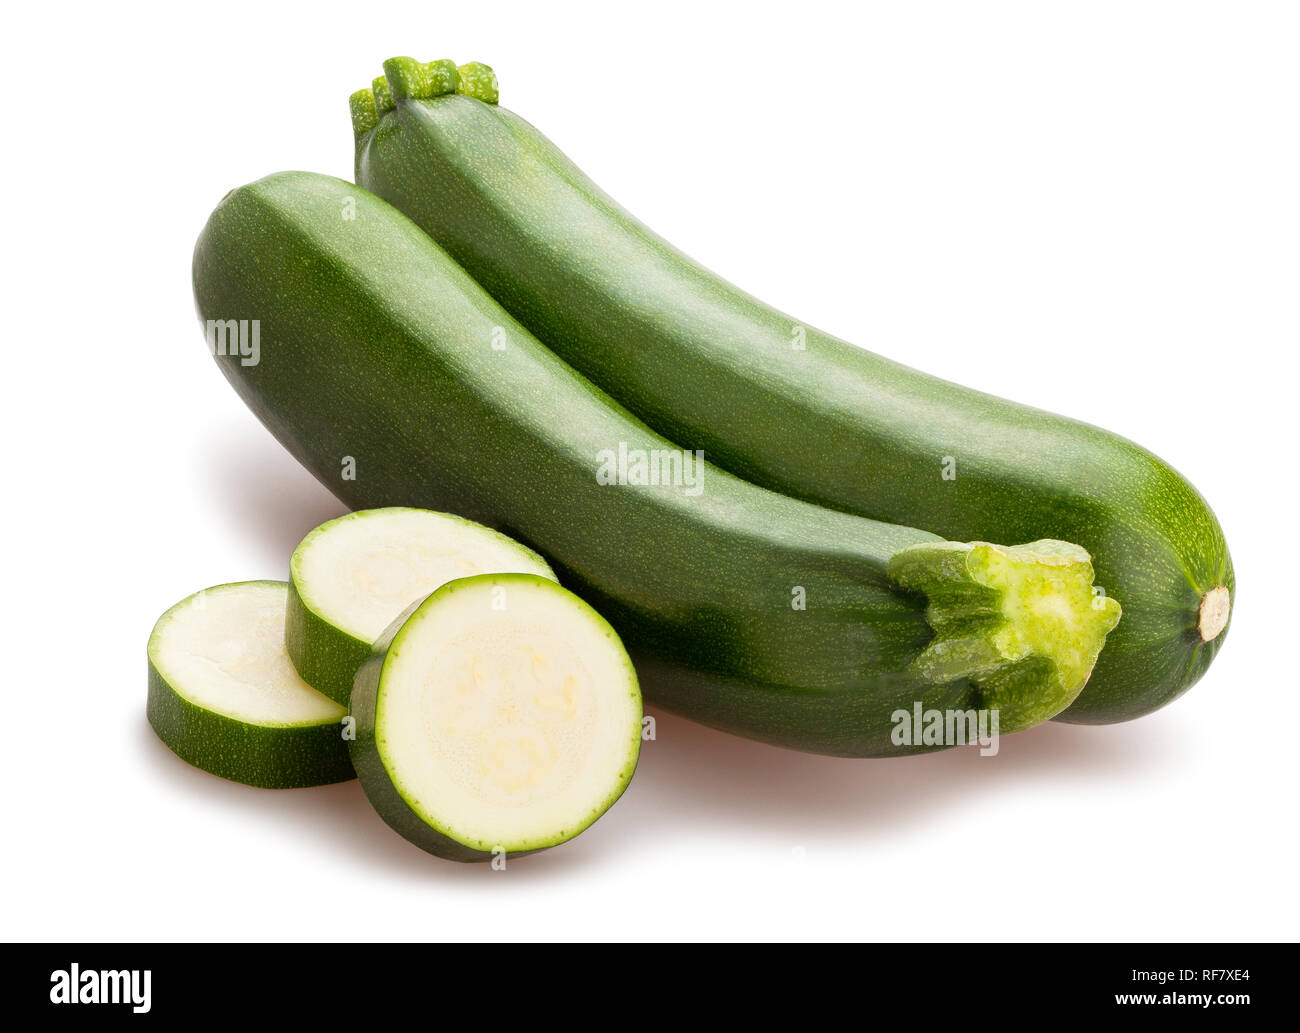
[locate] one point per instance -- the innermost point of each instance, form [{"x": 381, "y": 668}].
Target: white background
[{"x": 1092, "y": 207}]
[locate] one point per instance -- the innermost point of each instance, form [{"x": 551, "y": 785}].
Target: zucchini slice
[
  {"x": 224, "y": 696},
  {"x": 351, "y": 576},
  {"x": 502, "y": 716}
]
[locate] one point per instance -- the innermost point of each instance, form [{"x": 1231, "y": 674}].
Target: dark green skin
[
  {"x": 815, "y": 722},
  {"x": 707, "y": 365},
  {"x": 375, "y": 345},
  {"x": 324, "y": 656},
  {"x": 257, "y": 755}
]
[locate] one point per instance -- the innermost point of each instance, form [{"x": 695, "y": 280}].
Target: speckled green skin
[
  {"x": 375, "y": 345},
  {"x": 270, "y": 758},
  {"x": 325, "y": 656},
  {"x": 707, "y": 365},
  {"x": 367, "y": 754},
  {"x": 257, "y": 755}
]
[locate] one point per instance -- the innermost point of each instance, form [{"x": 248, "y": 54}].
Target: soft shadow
[
  {"x": 708, "y": 777},
  {"x": 340, "y": 819},
  {"x": 262, "y": 488}
]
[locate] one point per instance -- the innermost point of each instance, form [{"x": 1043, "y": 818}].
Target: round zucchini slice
[
  {"x": 502, "y": 716},
  {"x": 224, "y": 696},
  {"x": 351, "y": 576}
]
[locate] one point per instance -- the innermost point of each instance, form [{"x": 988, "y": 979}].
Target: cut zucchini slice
[
  {"x": 353, "y": 575},
  {"x": 502, "y": 716},
  {"x": 224, "y": 696}
]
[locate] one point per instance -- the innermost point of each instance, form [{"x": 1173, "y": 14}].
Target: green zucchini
[
  {"x": 224, "y": 697},
  {"x": 396, "y": 380},
  {"x": 501, "y": 715},
  {"x": 788, "y": 407},
  {"x": 351, "y": 576}
]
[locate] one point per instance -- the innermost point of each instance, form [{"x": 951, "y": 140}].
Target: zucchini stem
[
  {"x": 405, "y": 78},
  {"x": 408, "y": 78},
  {"x": 364, "y": 114},
  {"x": 384, "y": 102},
  {"x": 478, "y": 80},
  {"x": 1023, "y": 623}
]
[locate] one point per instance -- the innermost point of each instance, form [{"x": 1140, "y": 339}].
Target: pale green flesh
[
  {"x": 222, "y": 649},
  {"x": 508, "y": 714},
  {"x": 360, "y": 571}
]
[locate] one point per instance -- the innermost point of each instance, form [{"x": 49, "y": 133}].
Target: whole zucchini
[
  {"x": 786, "y": 406},
  {"x": 396, "y": 380}
]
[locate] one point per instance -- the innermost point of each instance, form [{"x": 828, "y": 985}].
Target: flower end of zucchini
[
  {"x": 365, "y": 116},
  {"x": 1023, "y": 623},
  {"x": 1213, "y": 613},
  {"x": 479, "y": 81}
]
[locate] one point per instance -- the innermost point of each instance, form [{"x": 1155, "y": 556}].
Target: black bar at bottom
[{"x": 489, "y": 983}]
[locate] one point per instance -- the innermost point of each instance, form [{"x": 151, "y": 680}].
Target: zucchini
[
  {"x": 224, "y": 697},
  {"x": 351, "y": 576},
  {"x": 396, "y": 380},
  {"x": 793, "y": 409},
  {"x": 501, "y": 716}
]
